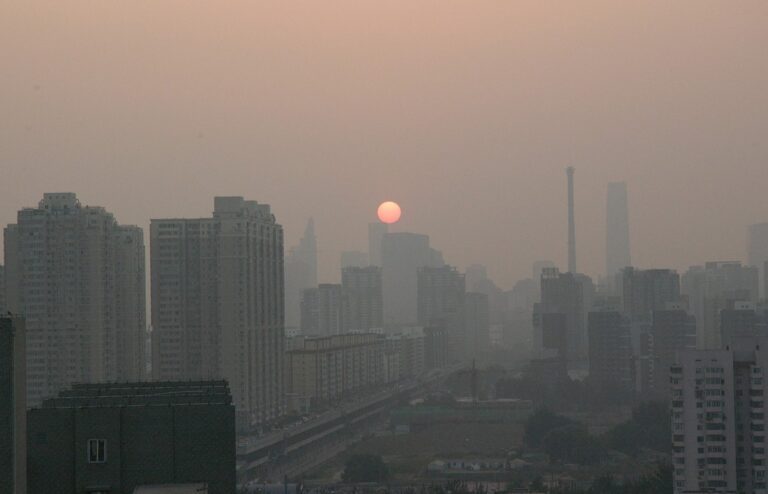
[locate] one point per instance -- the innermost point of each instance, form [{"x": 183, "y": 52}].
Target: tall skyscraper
[
  {"x": 403, "y": 254},
  {"x": 217, "y": 303},
  {"x": 376, "y": 232},
  {"x": 441, "y": 297},
  {"x": 617, "y": 252},
  {"x": 77, "y": 276},
  {"x": 571, "y": 223},
  {"x": 300, "y": 273},
  {"x": 363, "y": 301},
  {"x": 758, "y": 253},
  {"x": 13, "y": 406},
  {"x": 718, "y": 419},
  {"x": 714, "y": 287}
]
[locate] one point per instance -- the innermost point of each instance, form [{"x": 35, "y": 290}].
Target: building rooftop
[{"x": 161, "y": 393}]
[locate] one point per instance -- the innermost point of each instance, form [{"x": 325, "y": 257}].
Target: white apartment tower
[
  {"x": 218, "y": 306},
  {"x": 718, "y": 419},
  {"x": 77, "y": 276}
]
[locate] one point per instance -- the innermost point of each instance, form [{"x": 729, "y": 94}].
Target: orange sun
[{"x": 389, "y": 212}]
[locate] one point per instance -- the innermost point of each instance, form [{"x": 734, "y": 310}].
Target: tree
[
  {"x": 541, "y": 423},
  {"x": 573, "y": 444},
  {"x": 365, "y": 468}
]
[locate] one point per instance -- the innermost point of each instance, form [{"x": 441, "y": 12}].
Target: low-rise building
[
  {"x": 117, "y": 437},
  {"x": 326, "y": 369}
]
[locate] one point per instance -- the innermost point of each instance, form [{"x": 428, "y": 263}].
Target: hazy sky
[{"x": 466, "y": 113}]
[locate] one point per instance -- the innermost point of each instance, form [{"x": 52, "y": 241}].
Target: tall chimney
[{"x": 571, "y": 224}]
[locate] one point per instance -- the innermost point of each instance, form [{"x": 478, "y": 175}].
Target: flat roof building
[{"x": 116, "y": 437}]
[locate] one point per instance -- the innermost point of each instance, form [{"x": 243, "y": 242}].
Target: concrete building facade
[
  {"x": 441, "y": 295},
  {"x": 13, "y": 406},
  {"x": 610, "y": 352},
  {"x": 363, "y": 298},
  {"x": 217, "y": 304},
  {"x": 324, "y": 370},
  {"x": 118, "y": 437},
  {"x": 78, "y": 278},
  {"x": 718, "y": 419}
]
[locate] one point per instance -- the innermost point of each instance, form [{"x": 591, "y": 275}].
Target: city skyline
[{"x": 225, "y": 111}]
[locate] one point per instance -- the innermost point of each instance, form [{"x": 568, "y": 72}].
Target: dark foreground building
[
  {"x": 112, "y": 438},
  {"x": 13, "y": 407}
]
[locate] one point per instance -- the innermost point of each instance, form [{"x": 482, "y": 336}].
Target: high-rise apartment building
[
  {"x": 441, "y": 302},
  {"x": 217, "y": 303},
  {"x": 758, "y": 253},
  {"x": 363, "y": 302},
  {"x": 403, "y": 254},
  {"x": 742, "y": 320},
  {"x": 647, "y": 290},
  {"x": 718, "y": 419},
  {"x": 300, "y": 274},
  {"x": 77, "y": 277},
  {"x": 564, "y": 293},
  {"x": 672, "y": 330},
  {"x": 617, "y": 251},
  {"x": 713, "y": 288},
  {"x": 13, "y": 406},
  {"x": 321, "y": 310},
  {"x": 610, "y": 352}
]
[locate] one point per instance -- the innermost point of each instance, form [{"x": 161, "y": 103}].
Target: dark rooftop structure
[
  {"x": 161, "y": 393},
  {"x": 115, "y": 437}
]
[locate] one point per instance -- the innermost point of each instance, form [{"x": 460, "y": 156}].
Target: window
[{"x": 97, "y": 451}]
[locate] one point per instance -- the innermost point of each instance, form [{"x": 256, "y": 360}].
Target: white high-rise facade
[
  {"x": 718, "y": 419},
  {"x": 77, "y": 276},
  {"x": 218, "y": 303}
]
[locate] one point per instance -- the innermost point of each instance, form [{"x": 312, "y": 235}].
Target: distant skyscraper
[
  {"x": 571, "y": 223},
  {"x": 321, "y": 310},
  {"x": 354, "y": 259},
  {"x": 13, "y": 406},
  {"x": 217, "y": 303},
  {"x": 714, "y": 287},
  {"x": 758, "y": 253},
  {"x": 300, "y": 273},
  {"x": 647, "y": 290},
  {"x": 610, "y": 352},
  {"x": 441, "y": 296},
  {"x": 403, "y": 254},
  {"x": 376, "y": 232},
  {"x": 671, "y": 331},
  {"x": 617, "y": 252},
  {"x": 363, "y": 302},
  {"x": 78, "y": 278},
  {"x": 563, "y": 293}
]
